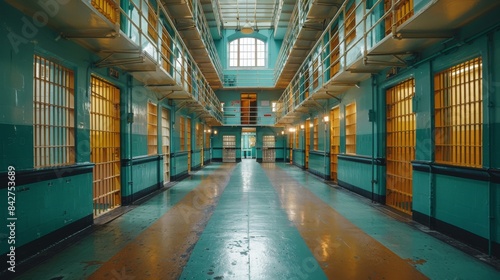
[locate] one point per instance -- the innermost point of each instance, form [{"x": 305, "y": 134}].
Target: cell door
[
  {"x": 334, "y": 141},
  {"x": 165, "y": 142},
  {"x": 400, "y": 145},
  {"x": 307, "y": 141},
  {"x": 105, "y": 145},
  {"x": 268, "y": 149},
  {"x": 189, "y": 143},
  {"x": 228, "y": 148}
]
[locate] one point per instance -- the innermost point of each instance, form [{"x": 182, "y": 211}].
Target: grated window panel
[
  {"x": 334, "y": 141},
  {"x": 334, "y": 52},
  {"x": 350, "y": 128},
  {"x": 316, "y": 133},
  {"x": 350, "y": 24},
  {"x": 107, "y": 8},
  {"x": 53, "y": 114},
  {"x": 182, "y": 135},
  {"x": 207, "y": 137},
  {"x": 403, "y": 11},
  {"x": 165, "y": 141},
  {"x": 458, "y": 105},
  {"x": 189, "y": 143},
  {"x": 152, "y": 24},
  {"x": 152, "y": 129}
]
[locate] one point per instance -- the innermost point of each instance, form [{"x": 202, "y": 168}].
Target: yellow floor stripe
[
  {"x": 343, "y": 250},
  {"x": 162, "y": 250}
]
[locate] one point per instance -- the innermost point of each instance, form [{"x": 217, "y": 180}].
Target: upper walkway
[{"x": 258, "y": 221}]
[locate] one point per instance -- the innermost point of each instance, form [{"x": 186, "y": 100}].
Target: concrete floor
[{"x": 258, "y": 221}]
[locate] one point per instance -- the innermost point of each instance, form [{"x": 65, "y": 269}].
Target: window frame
[
  {"x": 255, "y": 52},
  {"x": 54, "y": 114}
]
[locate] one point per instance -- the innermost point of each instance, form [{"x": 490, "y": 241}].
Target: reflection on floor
[{"x": 258, "y": 221}]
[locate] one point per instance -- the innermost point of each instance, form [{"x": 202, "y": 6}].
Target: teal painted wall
[
  {"x": 251, "y": 76},
  {"x": 51, "y": 204}
]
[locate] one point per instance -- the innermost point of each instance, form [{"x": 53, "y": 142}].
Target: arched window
[{"x": 247, "y": 52}]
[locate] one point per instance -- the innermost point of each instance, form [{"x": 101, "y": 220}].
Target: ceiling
[{"x": 238, "y": 12}]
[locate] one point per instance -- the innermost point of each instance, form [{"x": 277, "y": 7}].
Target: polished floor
[{"x": 258, "y": 221}]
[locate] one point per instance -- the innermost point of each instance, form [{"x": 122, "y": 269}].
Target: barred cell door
[
  {"x": 268, "y": 149},
  {"x": 189, "y": 143},
  {"x": 105, "y": 145},
  {"x": 307, "y": 144},
  {"x": 334, "y": 141},
  {"x": 165, "y": 142},
  {"x": 229, "y": 148},
  {"x": 400, "y": 145}
]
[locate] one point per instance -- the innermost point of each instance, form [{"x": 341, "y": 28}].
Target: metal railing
[
  {"x": 327, "y": 61},
  {"x": 161, "y": 42},
  {"x": 249, "y": 116}
]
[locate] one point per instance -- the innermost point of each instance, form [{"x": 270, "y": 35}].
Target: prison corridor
[{"x": 252, "y": 220}]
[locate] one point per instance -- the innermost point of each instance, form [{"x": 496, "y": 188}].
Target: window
[
  {"x": 108, "y": 8},
  {"x": 152, "y": 129},
  {"x": 350, "y": 24},
  {"x": 316, "y": 132},
  {"x": 222, "y": 106},
  {"x": 182, "y": 134},
  {"x": 53, "y": 114},
  {"x": 274, "y": 105},
  {"x": 350, "y": 128},
  {"x": 458, "y": 105},
  {"x": 247, "y": 52}
]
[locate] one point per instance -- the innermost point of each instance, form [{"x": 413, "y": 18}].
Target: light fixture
[
  {"x": 326, "y": 119},
  {"x": 282, "y": 132},
  {"x": 209, "y": 131},
  {"x": 301, "y": 126},
  {"x": 247, "y": 28},
  {"x": 215, "y": 132}
]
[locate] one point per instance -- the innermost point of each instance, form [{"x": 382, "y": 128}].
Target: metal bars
[
  {"x": 189, "y": 149},
  {"x": 229, "y": 148},
  {"x": 401, "y": 140},
  {"x": 268, "y": 151},
  {"x": 403, "y": 10},
  {"x": 315, "y": 135},
  {"x": 108, "y": 8},
  {"x": 458, "y": 105},
  {"x": 165, "y": 142},
  {"x": 334, "y": 141},
  {"x": 53, "y": 114},
  {"x": 182, "y": 135},
  {"x": 152, "y": 129},
  {"x": 350, "y": 128},
  {"x": 105, "y": 145}
]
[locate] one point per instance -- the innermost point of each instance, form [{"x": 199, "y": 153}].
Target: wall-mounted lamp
[
  {"x": 326, "y": 118},
  {"x": 291, "y": 129},
  {"x": 209, "y": 131},
  {"x": 282, "y": 132},
  {"x": 215, "y": 132},
  {"x": 301, "y": 126}
]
